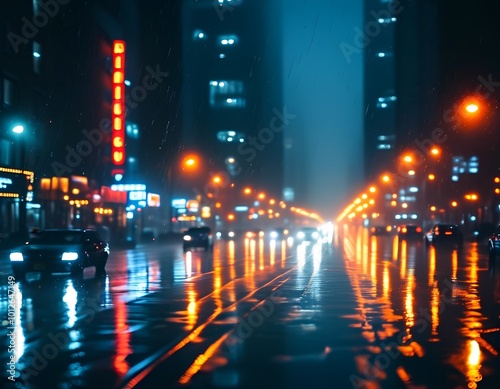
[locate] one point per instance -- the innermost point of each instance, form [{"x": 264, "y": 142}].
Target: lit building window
[
  {"x": 229, "y": 2},
  {"x": 36, "y": 6},
  {"x": 7, "y": 92},
  {"x": 226, "y": 94},
  {"x": 199, "y": 35},
  {"x": 384, "y": 146},
  {"x": 230, "y": 136},
  {"x": 37, "y": 57},
  {"x": 228, "y": 40},
  {"x": 384, "y": 54},
  {"x": 385, "y": 142},
  {"x": 384, "y": 102},
  {"x": 132, "y": 131},
  {"x": 386, "y": 20},
  {"x": 473, "y": 165}
]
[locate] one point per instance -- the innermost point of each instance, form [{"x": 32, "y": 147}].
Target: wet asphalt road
[{"x": 362, "y": 312}]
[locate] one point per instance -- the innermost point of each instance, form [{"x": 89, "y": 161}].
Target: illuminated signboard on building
[
  {"x": 153, "y": 200},
  {"x": 118, "y": 107},
  {"x": 15, "y": 183}
]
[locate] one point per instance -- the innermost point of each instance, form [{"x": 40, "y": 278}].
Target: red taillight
[
  {"x": 448, "y": 233},
  {"x": 419, "y": 229}
]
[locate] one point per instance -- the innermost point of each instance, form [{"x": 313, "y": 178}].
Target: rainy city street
[
  {"x": 249, "y": 194},
  {"x": 361, "y": 311}
]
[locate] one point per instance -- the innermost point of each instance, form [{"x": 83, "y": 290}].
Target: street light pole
[{"x": 23, "y": 228}]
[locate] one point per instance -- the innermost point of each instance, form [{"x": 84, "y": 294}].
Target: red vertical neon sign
[{"x": 118, "y": 107}]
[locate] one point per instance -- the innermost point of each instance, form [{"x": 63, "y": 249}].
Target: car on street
[
  {"x": 442, "y": 234},
  {"x": 410, "y": 232},
  {"x": 380, "y": 230},
  {"x": 279, "y": 233},
  {"x": 254, "y": 233},
  {"x": 197, "y": 237},
  {"x": 60, "y": 251},
  {"x": 494, "y": 244},
  {"x": 307, "y": 234}
]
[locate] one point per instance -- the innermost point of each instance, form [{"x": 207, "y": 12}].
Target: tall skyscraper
[
  {"x": 232, "y": 101},
  {"x": 378, "y": 37}
]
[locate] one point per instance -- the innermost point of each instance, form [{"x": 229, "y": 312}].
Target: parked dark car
[
  {"x": 197, "y": 237},
  {"x": 410, "y": 231},
  {"x": 441, "y": 234},
  {"x": 60, "y": 251},
  {"x": 494, "y": 244}
]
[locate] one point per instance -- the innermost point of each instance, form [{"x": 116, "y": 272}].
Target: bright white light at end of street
[{"x": 18, "y": 129}]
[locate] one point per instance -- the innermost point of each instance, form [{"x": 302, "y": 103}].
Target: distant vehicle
[
  {"x": 197, "y": 237},
  {"x": 410, "y": 231},
  {"x": 279, "y": 233},
  {"x": 252, "y": 234},
  {"x": 60, "y": 251},
  {"x": 494, "y": 244},
  {"x": 307, "y": 234},
  {"x": 444, "y": 234},
  {"x": 380, "y": 230}
]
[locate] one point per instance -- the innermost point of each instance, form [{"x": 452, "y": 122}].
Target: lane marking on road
[{"x": 143, "y": 369}]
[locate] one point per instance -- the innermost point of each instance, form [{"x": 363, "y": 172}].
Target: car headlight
[
  {"x": 274, "y": 234},
  {"x": 187, "y": 238},
  {"x": 231, "y": 234},
  {"x": 69, "y": 256},
  {"x": 301, "y": 235},
  {"x": 315, "y": 235},
  {"x": 16, "y": 257}
]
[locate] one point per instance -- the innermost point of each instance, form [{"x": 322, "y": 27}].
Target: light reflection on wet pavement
[{"x": 371, "y": 312}]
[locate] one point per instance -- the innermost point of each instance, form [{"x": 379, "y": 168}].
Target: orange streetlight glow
[
  {"x": 435, "y": 151},
  {"x": 190, "y": 162},
  {"x": 472, "y": 108}
]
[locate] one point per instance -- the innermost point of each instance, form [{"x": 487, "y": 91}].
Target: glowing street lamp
[
  {"x": 408, "y": 158},
  {"x": 472, "y": 108},
  {"x": 435, "y": 151},
  {"x": 19, "y": 129},
  {"x": 190, "y": 162}
]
